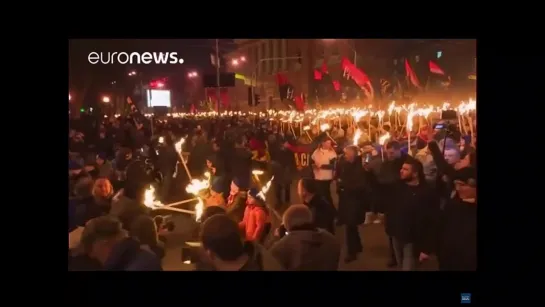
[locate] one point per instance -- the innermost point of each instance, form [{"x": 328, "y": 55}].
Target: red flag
[
  {"x": 336, "y": 85},
  {"x": 410, "y": 73},
  {"x": 300, "y": 102},
  {"x": 281, "y": 79},
  {"x": 434, "y": 68},
  {"x": 361, "y": 78},
  {"x": 324, "y": 67},
  {"x": 317, "y": 75}
]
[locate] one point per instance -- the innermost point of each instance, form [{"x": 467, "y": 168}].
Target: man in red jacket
[{"x": 256, "y": 222}]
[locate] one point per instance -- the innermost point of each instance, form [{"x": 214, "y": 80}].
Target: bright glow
[
  {"x": 160, "y": 84},
  {"x": 439, "y": 54},
  {"x": 234, "y": 62},
  {"x": 132, "y": 73},
  {"x": 106, "y": 99},
  {"x": 158, "y": 98},
  {"x": 243, "y": 59},
  {"x": 69, "y": 97},
  {"x": 192, "y": 74}
]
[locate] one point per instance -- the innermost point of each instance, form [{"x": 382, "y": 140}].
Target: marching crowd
[{"x": 424, "y": 193}]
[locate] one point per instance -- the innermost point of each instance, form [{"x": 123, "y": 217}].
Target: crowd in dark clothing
[{"x": 113, "y": 161}]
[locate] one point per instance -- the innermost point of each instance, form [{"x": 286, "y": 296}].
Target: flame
[
  {"x": 257, "y": 172},
  {"x": 357, "y": 136},
  {"x": 195, "y": 187},
  {"x": 263, "y": 193},
  {"x": 179, "y": 144},
  {"x": 324, "y": 127},
  {"x": 382, "y": 139},
  {"x": 149, "y": 198},
  {"x": 410, "y": 116},
  {"x": 391, "y": 108}
]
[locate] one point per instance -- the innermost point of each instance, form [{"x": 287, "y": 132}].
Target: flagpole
[{"x": 218, "y": 90}]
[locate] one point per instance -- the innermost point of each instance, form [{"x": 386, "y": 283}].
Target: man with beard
[
  {"x": 387, "y": 174},
  {"x": 353, "y": 190},
  {"x": 457, "y": 250},
  {"x": 411, "y": 216}
]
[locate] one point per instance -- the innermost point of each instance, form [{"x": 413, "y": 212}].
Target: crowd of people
[{"x": 423, "y": 191}]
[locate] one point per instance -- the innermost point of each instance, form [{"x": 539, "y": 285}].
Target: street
[{"x": 374, "y": 239}]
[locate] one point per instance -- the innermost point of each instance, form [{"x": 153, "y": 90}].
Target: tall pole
[{"x": 218, "y": 93}]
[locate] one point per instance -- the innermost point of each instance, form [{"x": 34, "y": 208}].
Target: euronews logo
[{"x": 134, "y": 58}]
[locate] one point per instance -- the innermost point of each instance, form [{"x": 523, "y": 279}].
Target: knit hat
[
  {"x": 102, "y": 156},
  {"x": 241, "y": 182},
  {"x": 217, "y": 185},
  {"x": 74, "y": 165},
  {"x": 254, "y": 193}
]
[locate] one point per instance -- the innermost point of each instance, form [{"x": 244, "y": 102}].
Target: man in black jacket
[
  {"x": 387, "y": 175},
  {"x": 323, "y": 211},
  {"x": 353, "y": 190},
  {"x": 411, "y": 217},
  {"x": 457, "y": 249}
]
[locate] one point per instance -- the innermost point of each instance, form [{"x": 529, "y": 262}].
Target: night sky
[{"x": 195, "y": 52}]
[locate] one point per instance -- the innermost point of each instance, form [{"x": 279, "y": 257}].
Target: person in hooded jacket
[
  {"x": 236, "y": 201},
  {"x": 256, "y": 223},
  {"x": 303, "y": 246}
]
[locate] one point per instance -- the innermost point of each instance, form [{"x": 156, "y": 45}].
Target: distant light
[
  {"x": 82, "y": 110},
  {"x": 439, "y": 54},
  {"x": 159, "y": 84},
  {"x": 105, "y": 99},
  {"x": 243, "y": 59},
  {"x": 234, "y": 62},
  {"x": 69, "y": 97},
  {"x": 90, "y": 109}
]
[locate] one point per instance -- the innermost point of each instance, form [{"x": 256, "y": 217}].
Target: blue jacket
[{"x": 129, "y": 255}]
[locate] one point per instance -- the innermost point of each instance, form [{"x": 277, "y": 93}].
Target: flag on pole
[
  {"x": 384, "y": 86},
  {"x": 411, "y": 74},
  {"x": 435, "y": 69},
  {"x": 317, "y": 75}
]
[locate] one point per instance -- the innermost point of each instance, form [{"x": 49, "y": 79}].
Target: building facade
[
  {"x": 378, "y": 58},
  {"x": 264, "y": 59}
]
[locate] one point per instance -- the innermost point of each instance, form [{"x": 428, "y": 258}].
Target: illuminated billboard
[{"x": 158, "y": 98}]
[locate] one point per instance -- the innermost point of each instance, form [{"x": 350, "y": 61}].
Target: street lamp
[
  {"x": 106, "y": 99},
  {"x": 192, "y": 75}
]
